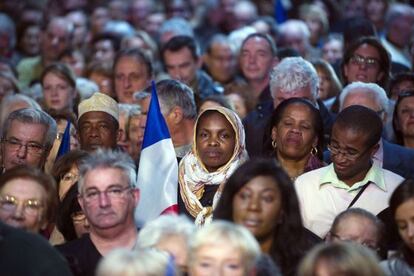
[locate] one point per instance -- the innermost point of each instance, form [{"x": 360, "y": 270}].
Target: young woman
[
  {"x": 218, "y": 150},
  {"x": 402, "y": 210},
  {"x": 261, "y": 197},
  {"x": 403, "y": 119}
]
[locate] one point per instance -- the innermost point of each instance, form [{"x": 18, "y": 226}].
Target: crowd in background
[{"x": 292, "y": 124}]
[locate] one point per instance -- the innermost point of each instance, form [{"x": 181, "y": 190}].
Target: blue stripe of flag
[{"x": 156, "y": 129}]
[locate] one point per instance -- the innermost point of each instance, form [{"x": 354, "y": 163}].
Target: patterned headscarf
[{"x": 193, "y": 175}]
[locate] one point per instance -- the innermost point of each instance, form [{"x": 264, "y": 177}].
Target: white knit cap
[{"x": 99, "y": 102}]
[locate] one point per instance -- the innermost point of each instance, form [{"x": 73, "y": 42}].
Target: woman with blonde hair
[{"x": 223, "y": 247}]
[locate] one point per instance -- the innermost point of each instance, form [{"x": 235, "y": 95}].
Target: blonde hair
[
  {"x": 223, "y": 232},
  {"x": 341, "y": 258}
]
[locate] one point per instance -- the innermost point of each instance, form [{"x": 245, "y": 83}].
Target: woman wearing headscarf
[{"x": 218, "y": 150}]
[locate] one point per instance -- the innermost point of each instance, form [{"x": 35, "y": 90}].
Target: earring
[
  {"x": 314, "y": 151},
  {"x": 274, "y": 145}
]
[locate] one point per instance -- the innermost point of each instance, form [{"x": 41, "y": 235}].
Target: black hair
[
  {"x": 268, "y": 38},
  {"x": 384, "y": 62},
  {"x": 275, "y": 118},
  {"x": 179, "y": 42},
  {"x": 403, "y": 193},
  {"x": 289, "y": 238},
  {"x": 68, "y": 206},
  {"x": 363, "y": 120},
  {"x": 136, "y": 54},
  {"x": 114, "y": 38}
]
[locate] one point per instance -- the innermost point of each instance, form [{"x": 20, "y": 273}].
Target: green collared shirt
[{"x": 374, "y": 175}]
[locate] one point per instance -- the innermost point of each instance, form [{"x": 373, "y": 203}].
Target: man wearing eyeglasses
[
  {"x": 108, "y": 197},
  {"x": 27, "y": 137},
  {"x": 353, "y": 179},
  {"x": 389, "y": 156}
]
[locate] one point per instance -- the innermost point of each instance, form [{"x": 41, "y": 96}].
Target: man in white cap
[{"x": 98, "y": 123}]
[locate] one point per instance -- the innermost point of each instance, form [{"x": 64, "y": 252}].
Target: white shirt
[{"x": 321, "y": 203}]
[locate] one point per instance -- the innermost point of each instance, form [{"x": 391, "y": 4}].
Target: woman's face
[
  {"x": 22, "y": 204},
  {"x": 217, "y": 259},
  {"x": 405, "y": 115},
  {"x": 239, "y": 104},
  {"x": 295, "y": 133},
  {"x": 31, "y": 41},
  {"x": 80, "y": 223},
  {"x": 57, "y": 92},
  {"x": 404, "y": 217},
  {"x": 215, "y": 140},
  {"x": 364, "y": 65},
  {"x": 375, "y": 10},
  {"x": 324, "y": 85},
  {"x": 257, "y": 206},
  {"x": 68, "y": 180}
]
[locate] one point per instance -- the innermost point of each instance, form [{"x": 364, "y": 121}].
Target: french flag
[{"x": 158, "y": 169}]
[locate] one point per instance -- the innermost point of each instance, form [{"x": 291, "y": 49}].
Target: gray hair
[
  {"x": 111, "y": 159},
  {"x": 7, "y": 105},
  {"x": 372, "y": 89},
  {"x": 293, "y": 73},
  {"x": 178, "y": 26},
  {"x": 294, "y": 24},
  {"x": 173, "y": 93},
  {"x": 8, "y": 28},
  {"x": 356, "y": 212},
  {"x": 164, "y": 227},
  {"x": 33, "y": 116},
  {"x": 125, "y": 262},
  {"x": 226, "y": 233}
]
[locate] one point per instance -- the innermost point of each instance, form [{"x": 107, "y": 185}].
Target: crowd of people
[{"x": 292, "y": 123}]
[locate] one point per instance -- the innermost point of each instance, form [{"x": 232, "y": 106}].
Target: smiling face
[
  {"x": 404, "y": 217},
  {"x": 24, "y": 190},
  {"x": 257, "y": 206},
  {"x": 57, "y": 92},
  {"x": 355, "y": 71},
  {"x": 295, "y": 132},
  {"x": 215, "y": 140}
]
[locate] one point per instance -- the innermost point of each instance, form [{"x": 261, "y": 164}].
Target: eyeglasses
[
  {"x": 369, "y": 244},
  {"x": 78, "y": 217},
  {"x": 113, "y": 193},
  {"x": 360, "y": 60},
  {"x": 31, "y": 147},
  {"x": 9, "y": 204},
  {"x": 348, "y": 154}
]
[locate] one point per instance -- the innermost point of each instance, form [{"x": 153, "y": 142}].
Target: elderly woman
[
  {"x": 223, "y": 247},
  {"x": 261, "y": 197},
  {"x": 27, "y": 198},
  {"x": 59, "y": 87},
  {"x": 218, "y": 149},
  {"x": 145, "y": 261},
  {"x": 340, "y": 259},
  {"x": 295, "y": 136},
  {"x": 168, "y": 233},
  {"x": 403, "y": 119}
]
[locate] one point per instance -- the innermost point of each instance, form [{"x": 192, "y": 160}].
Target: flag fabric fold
[{"x": 158, "y": 169}]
